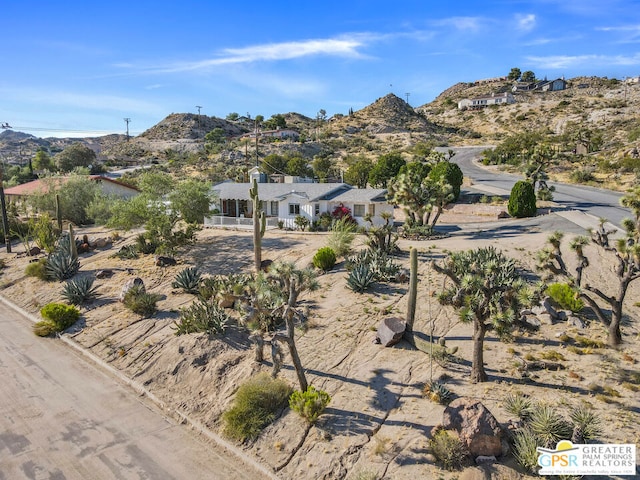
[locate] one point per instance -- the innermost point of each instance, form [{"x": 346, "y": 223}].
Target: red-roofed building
[{"x": 108, "y": 186}]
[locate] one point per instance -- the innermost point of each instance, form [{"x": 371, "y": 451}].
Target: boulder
[
  {"x": 162, "y": 261},
  {"x": 106, "y": 273},
  {"x": 531, "y": 321},
  {"x": 101, "y": 243},
  {"x": 133, "y": 282},
  {"x": 475, "y": 425},
  {"x": 390, "y": 331},
  {"x": 545, "y": 318},
  {"x": 265, "y": 264},
  {"x": 575, "y": 322},
  {"x": 485, "y": 459},
  {"x": 547, "y": 304},
  {"x": 562, "y": 315},
  {"x": 33, "y": 251}
]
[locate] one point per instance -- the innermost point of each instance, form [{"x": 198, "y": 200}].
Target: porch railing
[{"x": 221, "y": 221}]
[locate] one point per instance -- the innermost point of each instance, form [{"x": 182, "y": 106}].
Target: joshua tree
[
  {"x": 627, "y": 264},
  {"x": 489, "y": 292},
  {"x": 259, "y": 225},
  {"x": 292, "y": 282}
]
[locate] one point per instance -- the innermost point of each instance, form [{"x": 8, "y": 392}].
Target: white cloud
[
  {"x": 569, "y": 61},
  {"x": 630, "y": 33},
  {"x": 469, "y": 24},
  {"x": 526, "y": 23},
  {"x": 347, "y": 46}
]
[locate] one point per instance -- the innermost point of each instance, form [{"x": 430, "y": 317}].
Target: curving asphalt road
[
  {"x": 61, "y": 418},
  {"x": 598, "y": 202}
]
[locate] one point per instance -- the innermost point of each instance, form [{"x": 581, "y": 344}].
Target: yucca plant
[
  {"x": 139, "y": 301},
  {"x": 525, "y": 444},
  {"x": 586, "y": 424},
  {"x": 188, "y": 280},
  {"x": 61, "y": 265},
  {"x": 549, "y": 426},
  {"x": 80, "y": 291},
  {"x": 202, "y": 316},
  {"x": 518, "y": 405},
  {"x": 360, "y": 278}
]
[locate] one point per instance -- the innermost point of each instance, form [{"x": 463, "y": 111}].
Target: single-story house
[
  {"x": 485, "y": 101},
  {"x": 109, "y": 186},
  {"x": 283, "y": 202},
  {"x": 541, "y": 86},
  {"x": 281, "y": 133}
]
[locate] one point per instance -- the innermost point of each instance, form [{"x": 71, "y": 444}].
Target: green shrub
[
  {"x": 301, "y": 222},
  {"x": 145, "y": 246},
  {"x": 202, "y": 316},
  {"x": 139, "y": 301},
  {"x": 581, "y": 176},
  {"x": 448, "y": 450},
  {"x": 188, "y": 280},
  {"x": 126, "y": 252},
  {"x": 452, "y": 175},
  {"x": 522, "y": 201},
  {"x": 57, "y": 317},
  {"x": 566, "y": 296},
  {"x": 324, "y": 259},
  {"x": 37, "y": 269},
  {"x": 309, "y": 404},
  {"x": 255, "y": 406},
  {"x": 80, "y": 291}
]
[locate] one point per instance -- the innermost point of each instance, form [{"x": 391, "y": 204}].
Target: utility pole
[
  {"x": 3, "y": 206},
  {"x": 127, "y": 120},
  {"x": 199, "y": 122},
  {"x": 407, "y": 95}
]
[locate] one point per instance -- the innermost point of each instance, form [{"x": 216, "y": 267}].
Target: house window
[
  {"x": 274, "y": 209},
  {"x": 294, "y": 209},
  {"x": 358, "y": 210},
  {"x": 316, "y": 209},
  {"x": 372, "y": 209}
]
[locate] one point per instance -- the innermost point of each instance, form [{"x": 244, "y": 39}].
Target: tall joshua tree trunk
[{"x": 259, "y": 225}]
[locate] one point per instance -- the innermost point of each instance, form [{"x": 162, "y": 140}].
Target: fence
[{"x": 220, "y": 221}]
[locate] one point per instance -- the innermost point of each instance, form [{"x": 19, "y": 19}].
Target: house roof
[
  {"x": 312, "y": 192},
  {"x": 364, "y": 195},
  {"x": 42, "y": 185}
]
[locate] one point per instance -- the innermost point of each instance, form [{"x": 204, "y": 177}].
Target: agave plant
[
  {"x": 437, "y": 393},
  {"x": 188, "y": 280},
  {"x": 360, "y": 278},
  {"x": 202, "y": 316},
  {"x": 61, "y": 265},
  {"x": 79, "y": 291}
]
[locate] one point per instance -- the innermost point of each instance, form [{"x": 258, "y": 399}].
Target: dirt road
[{"x": 63, "y": 419}]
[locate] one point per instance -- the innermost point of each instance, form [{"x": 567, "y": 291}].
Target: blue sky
[{"x": 79, "y": 68}]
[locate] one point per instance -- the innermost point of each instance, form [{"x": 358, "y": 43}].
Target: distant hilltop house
[
  {"x": 108, "y": 186},
  {"x": 541, "y": 86},
  {"x": 632, "y": 80},
  {"x": 490, "y": 80},
  {"x": 481, "y": 102},
  {"x": 280, "y": 133},
  {"x": 283, "y": 202}
]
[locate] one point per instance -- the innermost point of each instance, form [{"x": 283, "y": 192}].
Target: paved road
[
  {"x": 595, "y": 201},
  {"x": 63, "y": 419}
]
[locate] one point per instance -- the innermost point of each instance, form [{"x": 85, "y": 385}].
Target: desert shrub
[
  {"x": 80, "y": 291},
  {"x": 518, "y": 405},
  {"x": 343, "y": 232},
  {"x": 44, "y": 233},
  {"x": 589, "y": 342},
  {"x": 581, "y": 176},
  {"x": 566, "y": 296},
  {"x": 301, "y": 222},
  {"x": 145, "y": 246},
  {"x": 255, "y": 406},
  {"x": 37, "y": 269},
  {"x": 437, "y": 392},
  {"x": 448, "y": 450},
  {"x": 188, "y": 280},
  {"x": 57, "y": 317},
  {"x": 522, "y": 201},
  {"x": 451, "y": 173},
  {"x": 127, "y": 252},
  {"x": 141, "y": 302},
  {"x": 548, "y": 426},
  {"x": 525, "y": 444},
  {"x": 360, "y": 278},
  {"x": 309, "y": 404},
  {"x": 202, "y": 316},
  {"x": 324, "y": 259}
]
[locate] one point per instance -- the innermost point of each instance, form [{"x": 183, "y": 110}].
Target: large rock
[
  {"x": 476, "y": 426},
  {"x": 390, "y": 331},
  {"x": 133, "y": 282}
]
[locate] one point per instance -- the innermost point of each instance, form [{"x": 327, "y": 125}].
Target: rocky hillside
[{"x": 607, "y": 106}]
